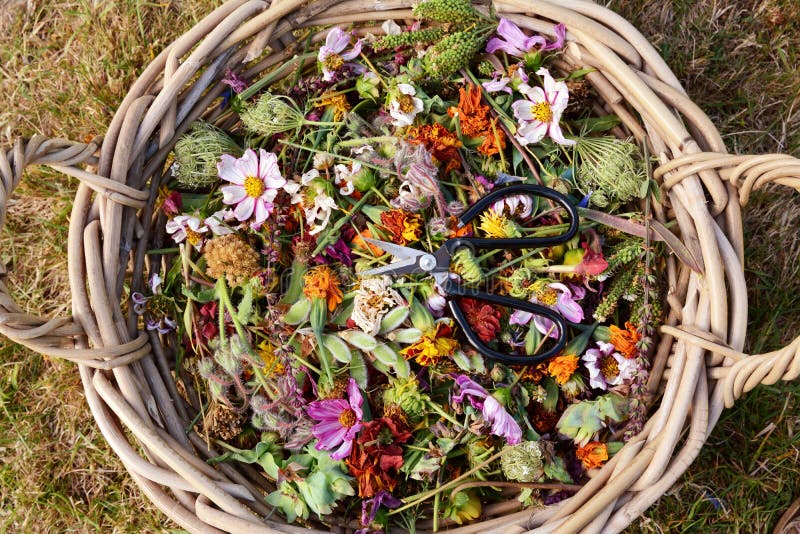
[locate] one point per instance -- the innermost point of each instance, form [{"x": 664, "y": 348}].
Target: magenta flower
[
  {"x": 332, "y": 55},
  {"x": 187, "y": 228},
  {"x": 513, "y": 40},
  {"x": 540, "y": 113},
  {"x": 514, "y": 78},
  {"x": 607, "y": 367},
  {"x": 502, "y": 423},
  {"x": 255, "y": 182},
  {"x": 339, "y": 422},
  {"x": 557, "y": 296}
]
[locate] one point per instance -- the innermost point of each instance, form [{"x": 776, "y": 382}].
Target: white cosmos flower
[
  {"x": 405, "y": 107},
  {"x": 539, "y": 115}
]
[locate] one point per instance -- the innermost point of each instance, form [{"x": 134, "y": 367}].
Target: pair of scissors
[{"x": 437, "y": 264}]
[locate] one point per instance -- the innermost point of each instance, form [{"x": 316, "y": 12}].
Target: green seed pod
[
  {"x": 453, "y": 11},
  {"x": 197, "y": 153},
  {"x": 451, "y": 54},
  {"x": 272, "y": 114},
  {"x": 409, "y": 39}
]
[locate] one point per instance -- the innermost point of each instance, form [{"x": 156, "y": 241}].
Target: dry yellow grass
[{"x": 64, "y": 67}]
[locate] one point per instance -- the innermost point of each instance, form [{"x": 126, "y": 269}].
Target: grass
[{"x": 65, "y": 66}]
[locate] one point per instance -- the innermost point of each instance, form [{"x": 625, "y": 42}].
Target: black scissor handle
[
  {"x": 454, "y": 289},
  {"x": 515, "y": 243}
]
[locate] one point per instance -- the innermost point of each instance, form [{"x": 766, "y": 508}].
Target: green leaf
[
  {"x": 358, "y": 370},
  {"x": 580, "y": 73},
  {"x": 337, "y": 348},
  {"x": 405, "y": 335},
  {"x": 385, "y": 354},
  {"x": 402, "y": 368},
  {"x": 298, "y": 313},
  {"x": 245, "y": 309},
  {"x": 462, "y": 361},
  {"x": 597, "y": 124},
  {"x": 583, "y": 420},
  {"x": 203, "y": 295},
  {"x": 555, "y": 469}
]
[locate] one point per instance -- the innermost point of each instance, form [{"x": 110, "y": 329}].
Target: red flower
[
  {"x": 482, "y": 317},
  {"x": 378, "y": 457}
]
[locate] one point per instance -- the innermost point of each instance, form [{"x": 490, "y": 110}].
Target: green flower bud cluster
[
  {"x": 620, "y": 286},
  {"x": 452, "y": 53},
  {"x": 453, "y": 11},
  {"x": 626, "y": 252},
  {"x": 406, "y": 394},
  {"x": 466, "y": 265},
  {"x": 486, "y": 69},
  {"x": 523, "y": 462},
  {"x": 409, "y": 39},
  {"x": 197, "y": 153}
]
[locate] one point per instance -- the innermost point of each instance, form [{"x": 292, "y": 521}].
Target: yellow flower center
[
  {"x": 547, "y": 296},
  {"x": 254, "y": 187},
  {"x": 542, "y": 112},
  {"x": 193, "y": 237},
  {"x": 334, "y": 62},
  {"x": 406, "y": 103},
  {"x": 609, "y": 367},
  {"x": 348, "y": 418}
]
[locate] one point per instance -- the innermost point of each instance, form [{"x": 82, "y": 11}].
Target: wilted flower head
[
  {"x": 554, "y": 295},
  {"x": 374, "y": 297},
  {"x": 188, "y": 228},
  {"x": 231, "y": 257},
  {"x": 502, "y": 423},
  {"x": 607, "y": 367},
  {"x": 404, "y": 105},
  {"x": 514, "y": 42}
]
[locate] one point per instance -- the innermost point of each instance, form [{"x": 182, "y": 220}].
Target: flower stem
[
  {"x": 436, "y": 408},
  {"x": 274, "y": 75}
]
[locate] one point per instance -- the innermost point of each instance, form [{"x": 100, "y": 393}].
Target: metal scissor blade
[
  {"x": 407, "y": 266},
  {"x": 398, "y": 251}
]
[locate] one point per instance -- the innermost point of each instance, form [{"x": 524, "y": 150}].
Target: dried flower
[
  {"x": 332, "y": 56},
  {"x": 188, "y": 228},
  {"x": 230, "y": 256},
  {"x": 403, "y": 107},
  {"x": 441, "y": 142},
  {"x": 514, "y": 42},
  {"x": 336, "y": 101},
  {"x": 377, "y": 458},
  {"x": 625, "y": 340},
  {"x": 373, "y": 299},
  {"x": 272, "y": 114},
  {"x": 592, "y": 455},
  {"x": 561, "y": 367},
  {"x": 482, "y": 317},
  {"x": 403, "y": 227},
  {"x": 495, "y": 225},
  {"x": 554, "y": 295},
  {"x": 321, "y": 282},
  {"x": 608, "y": 367},
  {"x": 433, "y": 345},
  {"x": 610, "y": 166},
  {"x": 197, "y": 153}
]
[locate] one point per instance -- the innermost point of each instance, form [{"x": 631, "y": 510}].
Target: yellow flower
[
  {"x": 272, "y": 365},
  {"x": 338, "y": 102},
  {"x": 562, "y": 367},
  {"x": 433, "y": 345},
  {"x": 321, "y": 282},
  {"x": 496, "y": 225},
  {"x": 466, "y": 506},
  {"x": 403, "y": 226}
]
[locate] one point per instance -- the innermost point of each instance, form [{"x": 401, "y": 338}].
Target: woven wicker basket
[{"x": 698, "y": 367}]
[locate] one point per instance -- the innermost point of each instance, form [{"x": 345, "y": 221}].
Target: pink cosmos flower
[
  {"x": 607, "y": 367},
  {"x": 502, "y": 423},
  {"x": 513, "y": 41},
  {"x": 188, "y": 228},
  {"x": 255, "y": 182},
  {"x": 332, "y": 55},
  {"x": 339, "y": 422},
  {"x": 565, "y": 303},
  {"x": 540, "y": 113},
  {"x": 218, "y": 222}
]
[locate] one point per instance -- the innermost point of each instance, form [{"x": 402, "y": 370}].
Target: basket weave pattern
[{"x": 698, "y": 366}]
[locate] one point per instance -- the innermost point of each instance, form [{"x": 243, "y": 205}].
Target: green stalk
[
  {"x": 323, "y": 240},
  {"x": 274, "y": 75}
]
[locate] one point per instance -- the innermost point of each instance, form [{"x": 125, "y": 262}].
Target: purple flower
[
  {"x": 513, "y": 40},
  {"x": 540, "y": 113},
  {"x": 255, "y": 182},
  {"x": 502, "y": 423},
  {"x": 163, "y": 324},
  {"x": 369, "y": 507},
  {"x": 339, "y": 251},
  {"x": 556, "y": 296},
  {"x": 233, "y": 81},
  {"x": 514, "y": 78},
  {"x": 332, "y": 55},
  {"x": 607, "y": 367},
  {"x": 339, "y": 422}
]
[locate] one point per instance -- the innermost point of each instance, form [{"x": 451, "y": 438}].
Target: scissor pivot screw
[{"x": 427, "y": 262}]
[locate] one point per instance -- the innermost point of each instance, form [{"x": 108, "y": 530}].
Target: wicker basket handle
[
  {"x": 747, "y": 173},
  {"x": 56, "y": 336}
]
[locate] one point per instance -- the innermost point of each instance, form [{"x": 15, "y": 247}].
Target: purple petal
[
  {"x": 513, "y": 35},
  {"x": 337, "y": 40},
  {"x": 227, "y": 170},
  {"x": 520, "y": 317},
  {"x": 354, "y": 394},
  {"x": 327, "y": 409},
  {"x": 561, "y": 36},
  {"x": 354, "y": 53},
  {"x": 496, "y": 44},
  {"x": 544, "y": 325},
  {"x": 248, "y": 163},
  {"x": 498, "y": 84},
  {"x": 502, "y": 423},
  {"x": 343, "y": 451}
]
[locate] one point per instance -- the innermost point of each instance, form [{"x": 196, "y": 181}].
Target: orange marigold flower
[
  {"x": 321, "y": 282},
  {"x": 562, "y": 367},
  {"x": 403, "y": 226},
  {"x": 625, "y": 340},
  {"x": 358, "y": 242},
  {"x": 592, "y": 455},
  {"x": 494, "y": 140},
  {"x": 474, "y": 120},
  {"x": 433, "y": 345},
  {"x": 440, "y": 142}
]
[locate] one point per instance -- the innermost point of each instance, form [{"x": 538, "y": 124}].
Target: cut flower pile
[{"x": 360, "y": 397}]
